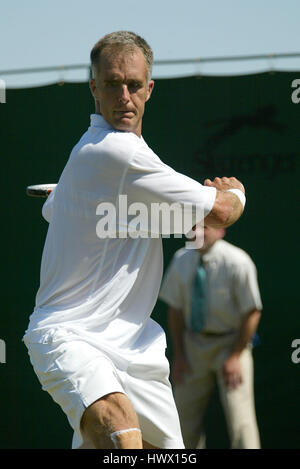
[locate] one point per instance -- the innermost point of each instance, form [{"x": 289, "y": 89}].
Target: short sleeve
[
  {"x": 171, "y": 291},
  {"x": 245, "y": 286},
  {"x": 151, "y": 182}
]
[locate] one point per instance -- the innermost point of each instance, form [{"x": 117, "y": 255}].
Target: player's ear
[
  {"x": 95, "y": 92},
  {"x": 93, "y": 88},
  {"x": 150, "y": 88}
]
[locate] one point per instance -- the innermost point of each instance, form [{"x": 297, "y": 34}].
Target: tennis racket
[{"x": 40, "y": 190}]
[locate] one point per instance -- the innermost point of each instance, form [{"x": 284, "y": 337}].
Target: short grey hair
[{"x": 127, "y": 40}]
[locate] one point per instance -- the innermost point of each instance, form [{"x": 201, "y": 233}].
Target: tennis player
[{"x": 90, "y": 338}]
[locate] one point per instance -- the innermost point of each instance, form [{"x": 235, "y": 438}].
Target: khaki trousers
[{"x": 206, "y": 355}]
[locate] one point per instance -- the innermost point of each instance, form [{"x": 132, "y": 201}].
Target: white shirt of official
[
  {"x": 231, "y": 285},
  {"x": 105, "y": 289}
]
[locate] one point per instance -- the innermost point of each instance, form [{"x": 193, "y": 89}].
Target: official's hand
[
  {"x": 179, "y": 369},
  {"x": 232, "y": 373},
  {"x": 225, "y": 183}
]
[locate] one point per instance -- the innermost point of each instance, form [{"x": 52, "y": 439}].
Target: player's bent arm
[
  {"x": 227, "y": 210},
  {"x": 229, "y": 202}
]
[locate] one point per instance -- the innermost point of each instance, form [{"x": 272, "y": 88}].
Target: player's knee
[
  {"x": 111, "y": 422},
  {"x": 111, "y": 413},
  {"x": 118, "y": 408}
]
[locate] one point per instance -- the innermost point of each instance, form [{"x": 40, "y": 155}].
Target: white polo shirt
[
  {"x": 231, "y": 285},
  {"x": 105, "y": 289}
]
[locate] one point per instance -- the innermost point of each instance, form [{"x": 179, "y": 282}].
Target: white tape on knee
[{"x": 120, "y": 432}]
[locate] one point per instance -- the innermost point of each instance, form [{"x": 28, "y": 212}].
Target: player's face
[{"x": 121, "y": 89}]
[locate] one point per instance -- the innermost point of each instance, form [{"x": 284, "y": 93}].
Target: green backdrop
[{"x": 245, "y": 126}]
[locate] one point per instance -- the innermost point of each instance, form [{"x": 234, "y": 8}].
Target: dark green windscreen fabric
[{"x": 244, "y": 126}]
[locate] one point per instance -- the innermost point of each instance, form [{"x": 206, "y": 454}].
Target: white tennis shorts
[{"x": 76, "y": 374}]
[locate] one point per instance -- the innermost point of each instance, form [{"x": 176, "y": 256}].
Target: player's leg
[
  {"x": 147, "y": 445},
  {"x": 111, "y": 422},
  {"x": 239, "y": 407},
  {"x": 150, "y": 392},
  {"x": 85, "y": 383}
]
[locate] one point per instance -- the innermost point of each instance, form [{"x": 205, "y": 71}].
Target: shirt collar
[{"x": 97, "y": 120}]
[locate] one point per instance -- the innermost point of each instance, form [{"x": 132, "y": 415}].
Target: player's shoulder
[
  {"x": 146, "y": 159},
  {"x": 129, "y": 138},
  {"x": 233, "y": 255},
  {"x": 123, "y": 144}
]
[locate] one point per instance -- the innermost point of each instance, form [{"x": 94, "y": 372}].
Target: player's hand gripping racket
[{"x": 40, "y": 190}]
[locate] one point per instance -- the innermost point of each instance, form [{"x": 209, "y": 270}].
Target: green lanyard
[{"x": 198, "y": 306}]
